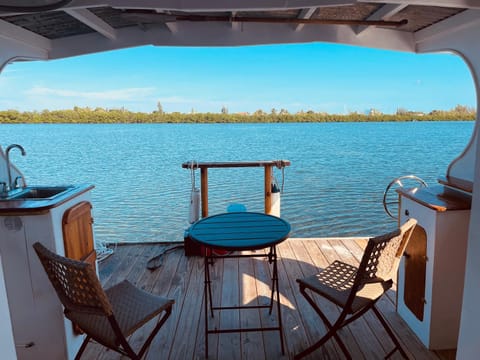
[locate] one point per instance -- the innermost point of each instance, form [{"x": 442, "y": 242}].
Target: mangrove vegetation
[{"x": 79, "y": 115}]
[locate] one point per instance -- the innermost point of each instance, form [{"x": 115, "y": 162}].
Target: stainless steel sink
[{"x": 39, "y": 192}]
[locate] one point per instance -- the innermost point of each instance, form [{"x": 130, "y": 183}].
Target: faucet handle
[
  {"x": 3, "y": 188},
  {"x": 16, "y": 182}
]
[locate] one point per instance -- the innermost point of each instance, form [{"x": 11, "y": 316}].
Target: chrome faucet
[
  {"x": 10, "y": 185},
  {"x": 3, "y": 189},
  {"x": 17, "y": 181}
]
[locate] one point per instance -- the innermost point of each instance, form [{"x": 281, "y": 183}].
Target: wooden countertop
[
  {"x": 438, "y": 197},
  {"x": 454, "y": 182},
  {"x": 35, "y": 207}
]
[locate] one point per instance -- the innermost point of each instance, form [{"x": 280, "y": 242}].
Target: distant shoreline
[{"x": 118, "y": 116}]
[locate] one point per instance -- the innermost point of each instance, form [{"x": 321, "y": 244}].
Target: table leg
[
  {"x": 275, "y": 294},
  {"x": 206, "y": 287},
  {"x": 209, "y": 282},
  {"x": 277, "y": 287},
  {"x": 272, "y": 258}
]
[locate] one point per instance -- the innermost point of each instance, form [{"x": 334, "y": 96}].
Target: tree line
[{"x": 79, "y": 115}]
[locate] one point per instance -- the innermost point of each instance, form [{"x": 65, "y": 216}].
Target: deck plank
[
  {"x": 252, "y": 343},
  {"x": 157, "y": 282},
  {"x": 307, "y": 320},
  {"x": 217, "y": 272},
  {"x": 182, "y": 278},
  {"x": 229, "y": 344},
  {"x": 161, "y": 282},
  {"x": 186, "y": 342},
  {"x": 271, "y": 339}
]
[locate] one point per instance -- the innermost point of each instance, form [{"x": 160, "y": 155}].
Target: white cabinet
[
  {"x": 39, "y": 328},
  {"x": 431, "y": 275}
]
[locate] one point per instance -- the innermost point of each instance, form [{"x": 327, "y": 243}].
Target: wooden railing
[{"x": 204, "y": 166}]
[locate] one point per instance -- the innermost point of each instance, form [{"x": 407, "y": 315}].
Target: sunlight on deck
[{"x": 181, "y": 278}]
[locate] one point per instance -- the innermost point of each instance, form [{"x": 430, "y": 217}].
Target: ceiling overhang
[{"x": 76, "y": 27}]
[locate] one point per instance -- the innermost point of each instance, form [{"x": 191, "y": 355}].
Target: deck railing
[{"x": 266, "y": 164}]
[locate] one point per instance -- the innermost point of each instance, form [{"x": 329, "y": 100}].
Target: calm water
[{"x": 334, "y": 186}]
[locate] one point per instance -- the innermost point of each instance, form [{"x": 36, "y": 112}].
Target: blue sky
[{"x": 320, "y": 77}]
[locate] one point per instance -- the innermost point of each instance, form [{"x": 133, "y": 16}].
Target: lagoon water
[{"x": 334, "y": 186}]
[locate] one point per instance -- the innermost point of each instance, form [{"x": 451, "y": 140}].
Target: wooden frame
[{"x": 204, "y": 166}]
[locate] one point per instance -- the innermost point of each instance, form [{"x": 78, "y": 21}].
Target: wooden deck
[{"x": 181, "y": 278}]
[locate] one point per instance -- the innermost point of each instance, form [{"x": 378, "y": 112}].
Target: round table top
[{"x": 240, "y": 231}]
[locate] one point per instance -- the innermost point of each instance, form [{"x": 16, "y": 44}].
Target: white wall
[{"x": 464, "y": 40}]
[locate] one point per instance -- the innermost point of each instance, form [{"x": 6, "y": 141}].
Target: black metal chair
[
  {"x": 356, "y": 289},
  {"x": 108, "y": 317}
]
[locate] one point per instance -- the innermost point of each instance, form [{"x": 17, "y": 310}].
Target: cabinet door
[
  {"x": 78, "y": 234},
  {"x": 415, "y": 272}
]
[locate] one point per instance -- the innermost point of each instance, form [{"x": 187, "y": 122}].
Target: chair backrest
[
  {"x": 75, "y": 282},
  {"x": 382, "y": 255}
]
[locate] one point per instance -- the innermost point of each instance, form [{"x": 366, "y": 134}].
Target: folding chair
[
  {"x": 356, "y": 289},
  {"x": 109, "y": 316}
]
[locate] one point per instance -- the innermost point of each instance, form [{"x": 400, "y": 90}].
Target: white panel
[
  {"x": 17, "y": 33},
  {"x": 6, "y": 334},
  {"x": 462, "y": 21},
  {"x": 222, "y": 34},
  {"x": 460, "y": 36},
  {"x": 207, "y": 5},
  {"x": 11, "y": 50},
  {"x": 462, "y": 4},
  {"x": 468, "y": 342}
]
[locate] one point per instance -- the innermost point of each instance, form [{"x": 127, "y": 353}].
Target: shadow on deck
[{"x": 181, "y": 278}]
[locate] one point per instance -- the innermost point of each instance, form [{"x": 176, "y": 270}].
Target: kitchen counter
[
  {"x": 439, "y": 198},
  {"x": 40, "y": 206},
  {"x": 61, "y": 221}
]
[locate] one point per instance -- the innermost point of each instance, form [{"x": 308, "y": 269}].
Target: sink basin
[{"x": 39, "y": 192}]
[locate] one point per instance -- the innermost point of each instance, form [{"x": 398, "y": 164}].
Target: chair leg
[
  {"x": 82, "y": 348},
  {"x": 127, "y": 349},
  {"x": 391, "y": 334},
  {"x": 318, "y": 344},
  {"x": 160, "y": 323},
  {"x": 332, "y": 329}
]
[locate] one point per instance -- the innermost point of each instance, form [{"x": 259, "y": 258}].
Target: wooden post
[
  {"x": 204, "y": 190},
  {"x": 268, "y": 189}
]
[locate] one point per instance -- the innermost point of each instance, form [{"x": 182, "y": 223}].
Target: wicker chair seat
[
  {"x": 125, "y": 299},
  {"x": 335, "y": 283}
]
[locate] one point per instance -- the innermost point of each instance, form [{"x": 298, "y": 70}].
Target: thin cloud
[
  {"x": 207, "y": 102},
  {"x": 128, "y": 94},
  {"x": 179, "y": 100}
]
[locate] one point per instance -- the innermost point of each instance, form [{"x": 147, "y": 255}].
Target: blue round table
[{"x": 240, "y": 231}]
